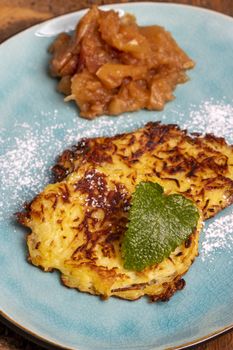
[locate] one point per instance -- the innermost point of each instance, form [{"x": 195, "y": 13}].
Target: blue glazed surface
[{"x": 36, "y": 125}]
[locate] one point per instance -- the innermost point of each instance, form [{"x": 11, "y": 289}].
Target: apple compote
[{"x": 110, "y": 65}]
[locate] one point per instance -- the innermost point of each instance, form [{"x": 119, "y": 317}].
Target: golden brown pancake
[{"x": 77, "y": 223}]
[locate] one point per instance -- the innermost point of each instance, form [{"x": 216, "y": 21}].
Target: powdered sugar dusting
[
  {"x": 212, "y": 117},
  {"x": 218, "y": 237},
  {"x": 22, "y": 164},
  {"x": 30, "y": 149}
]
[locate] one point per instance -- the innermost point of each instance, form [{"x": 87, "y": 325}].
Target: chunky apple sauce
[{"x": 110, "y": 65}]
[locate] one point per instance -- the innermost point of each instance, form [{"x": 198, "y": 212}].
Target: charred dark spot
[
  {"x": 65, "y": 193},
  {"x": 137, "y": 154},
  {"x": 196, "y": 134},
  {"x": 138, "y": 286},
  {"x": 82, "y": 147},
  {"x": 98, "y": 157},
  {"x": 169, "y": 258},
  {"x": 179, "y": 254},
  {"x": 172, "y": 170},
  {"x": 55, "y": 202},
  {"x": 131, "y": 140},
  {"x": 172, "y": 179},
  {"x": 113, "y": 237},
  {"x": 108, "y": 250},
  {"x": 37, "y": 245},
  {"x": 206, "y": 204},
  {"x": 59, "y": 172},
  {"x": 188, "y": 242},
  {"x": 150, "y": 145},
  {"x": 193, "y": 170},
  {"x": 180, "y": 284},
  {"x": 211, "y": 138}
]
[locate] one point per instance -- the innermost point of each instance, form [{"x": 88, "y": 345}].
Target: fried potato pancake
[{"x": 77, "y": 223}]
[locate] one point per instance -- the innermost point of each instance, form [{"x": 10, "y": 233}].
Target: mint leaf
[{"x": 158, "y": 223}]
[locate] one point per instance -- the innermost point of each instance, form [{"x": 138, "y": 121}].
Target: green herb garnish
[{"x": 158, "y": 223}]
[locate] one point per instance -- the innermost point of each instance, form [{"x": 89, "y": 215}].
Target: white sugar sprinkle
[
  {"x": 28, "y": 150},
  {"x": 218, "y": 236},
  {"x": 212, "y": 116},
  {"x": 28, "y": 154}
]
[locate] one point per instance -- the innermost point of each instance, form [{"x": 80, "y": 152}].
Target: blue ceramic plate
[{"x": 36, "y": 125}]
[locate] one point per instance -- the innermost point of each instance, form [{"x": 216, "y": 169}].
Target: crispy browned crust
[
  {"x": 99, "y": 151},
  {"x": 173, "y": 156},
  {"x": 169, "y": 290}
]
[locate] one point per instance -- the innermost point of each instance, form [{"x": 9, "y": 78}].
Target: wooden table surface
[{"x": 16, "y": 15}]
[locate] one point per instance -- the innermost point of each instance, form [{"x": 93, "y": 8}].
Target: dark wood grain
[{"x": 18, "y": 15}]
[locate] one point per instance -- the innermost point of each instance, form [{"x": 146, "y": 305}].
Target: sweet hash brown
[
  {"x": 77, "y": 223},
  {"x": 110, "y": 65}
]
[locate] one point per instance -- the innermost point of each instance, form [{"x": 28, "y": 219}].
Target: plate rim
[
  {"x": 6, "y": 319},
  {"x": 49, "y": 344},
  {"x": 115, "y": 5}
]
